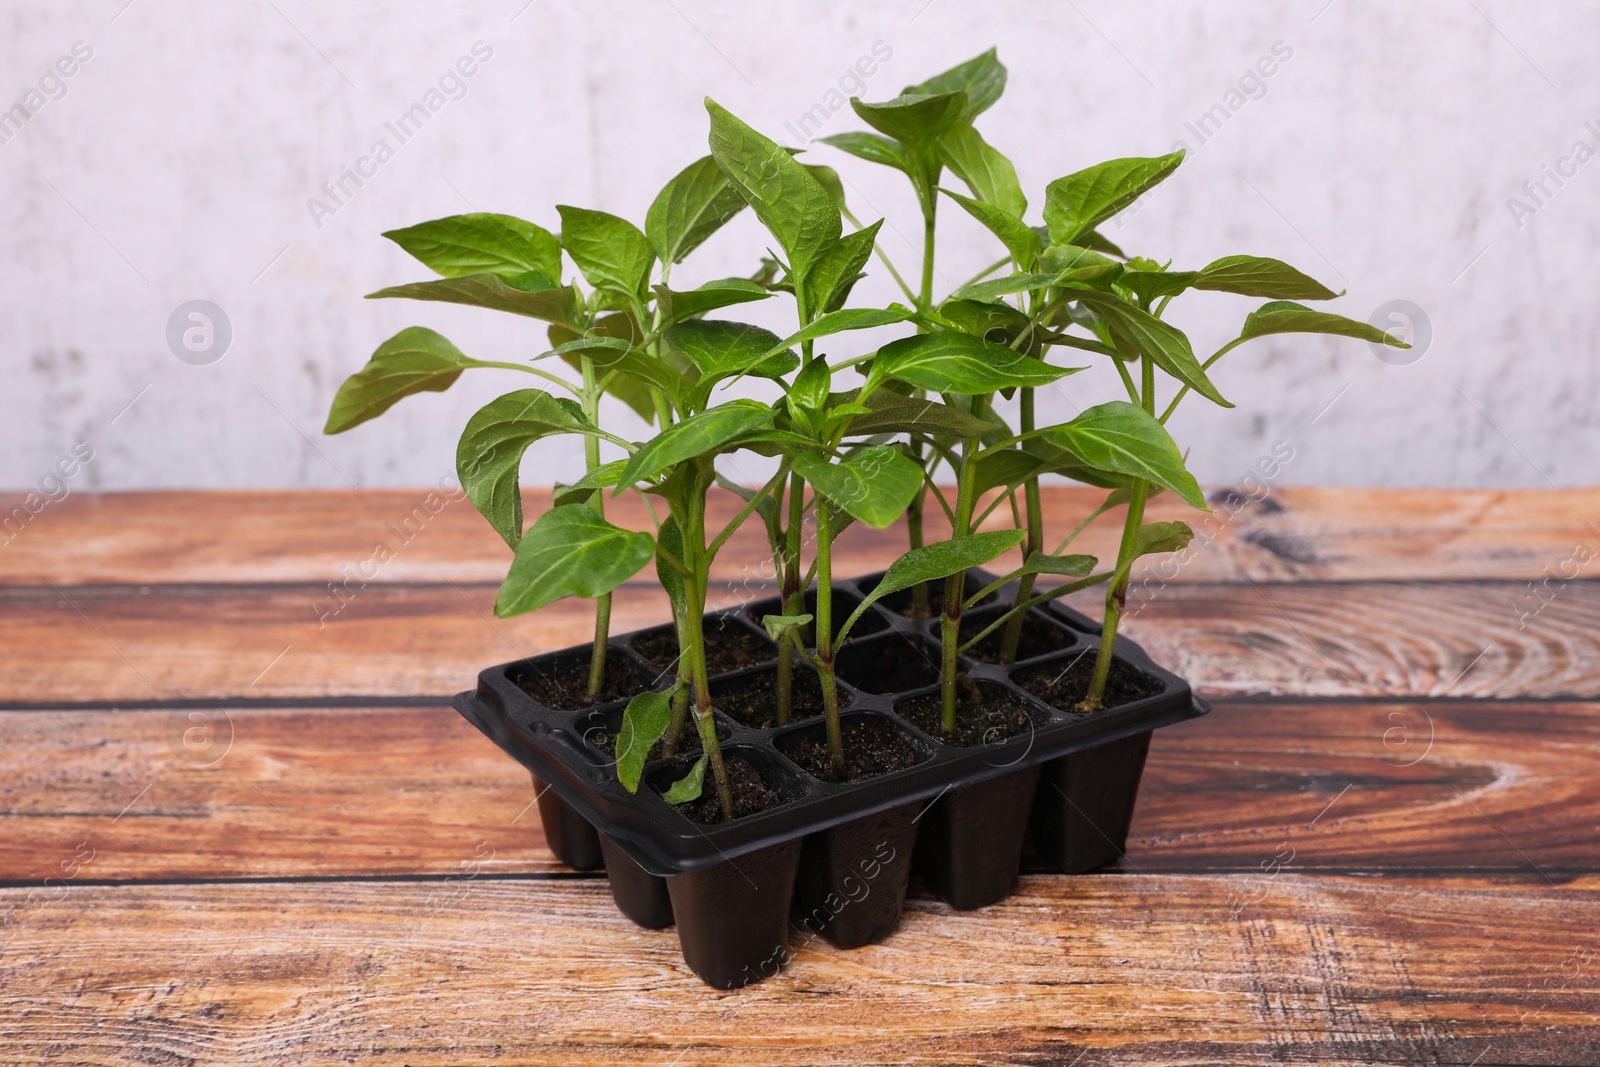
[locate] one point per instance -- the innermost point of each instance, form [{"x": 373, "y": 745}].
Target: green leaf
[
  {"x": 1073, "y": 566},
  {"x": 1079, "y": 202},
  {"x": 915, "y": 119},
  {"x": 982, "y": 78},
  {"x": 1007, "y": 467},
  {"x": 570, "y": 551},
  {"x": 1079, "y": 265},
  {"x": 1020, "y": 282},
  {"x": 610, "y": 251},
  {"x": 848, "y": 319},
  {"x": 691, "y": 207},
  {"x": 677, "y": 305},
  {"x": 644, "y": 720},
  {"x": 1126, "y": 439},
  {"x": 1018, "y": 237},
  {"x": 958, "y": 363},
  {"x": 1154, "y": 284},
  {"x": 670, "y": 537},
  {"x": 992, "y": 319},
  {"x": 553, "y": 303},
  {"x": 482, "y": 243},
  {"x": 788, "y": 198},
  {"x": 809, "y": 390},
  {"x": 891, "y": 412},
  {"x": 633, "y": 389},
  {"x": 838, "y": 268},
  {"x": 1098, "y": 242},
  {"x": 938, "y": 561},
  {"x": 778, "y": 625},
  {"x": 1260, "y": 276},
  {"x": 581, "y": 491},
  {"x": 699, "y": 435},
  {"x": 872, "y": 147},
  {"x": 1284, "y": 316},
  {"x": 1162, "y": 537},
  {"x": 985, "y": 170},
  {"x": 415, "y": 360},
  {"x": 490, "y": 451},
  {"x": 689, "y": 786},
  {"x": 722, "y": 349},
  {"x": 829, "y": 180},
  {"x": 1156, "y": 340},
  {"x": 1054, "y": 459},
  {"x": 876, "y": 485}
]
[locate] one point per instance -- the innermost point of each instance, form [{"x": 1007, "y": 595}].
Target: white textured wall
[{"x": 179, "y": 162}]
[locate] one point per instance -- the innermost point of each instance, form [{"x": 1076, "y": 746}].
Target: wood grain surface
[{"x": 238, "y": 826}]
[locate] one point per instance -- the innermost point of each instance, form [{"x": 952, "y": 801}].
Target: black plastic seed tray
[{"x": 888, "y": 659}]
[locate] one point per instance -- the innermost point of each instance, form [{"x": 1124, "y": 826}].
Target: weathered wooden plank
[
  {"x": 1449, "y": 786},
  {"x": 1094, "y": 970},
  {"x": 305, "y": 536},
  {"x": 130, "y": 643}
]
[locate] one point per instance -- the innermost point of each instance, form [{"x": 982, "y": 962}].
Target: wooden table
[{"x": 239, "y": 823}]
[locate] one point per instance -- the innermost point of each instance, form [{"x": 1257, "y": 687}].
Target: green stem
[
  {"x": 793, "y": 594},
  {"x": 1034, "y": 543},
  {"x": 955, "y": 584},
  {"x": 925, "y": 296},
  {"x": 694, "y": 629},
  {"x": 830, "y": 691},
  {"x": 590, "y": 399}
]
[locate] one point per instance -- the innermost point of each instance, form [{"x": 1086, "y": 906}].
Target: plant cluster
[{"x": 858, "y": 439}]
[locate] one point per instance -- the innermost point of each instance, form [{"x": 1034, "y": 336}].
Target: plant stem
[
  {"x": 793, "y": 593},
  {"x": 602, "y": 604},
  {"x": 830, "y": 691},
  {"x": 955, "y": 585},
  {"x": 1034, "y": 543},
  {"x": 680, "y": 699},
  {"x": 694, "y": 539}
]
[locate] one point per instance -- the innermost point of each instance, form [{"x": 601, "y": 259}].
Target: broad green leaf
[
  {"x": 788, "y": 198},
  {"x": 482, "y": 243},
  {"x": 1098, "y": 242},
  {"x": 837, "y": 269},
  {"x": 1126, "y": 439},
  {"x": 691, "y": 207},
  {"x": 581, "y": 491},
  {"x": 1154, "y": 284},
  {"x": 610, "y": 251},
  {"x": 670, "y": 537},
  {"x": 810, "y": 388},
  {"x": 415, "y": 360},
  {"x": 689, "y": 786},
  {"x": 1079, "y": 265},
  {"x": 828, "y": 178},
  {"x": 1054, "y": 459},
  {"x": 890, "y": 412},
  {"x": 553, "y": 303},
  {"x": 1284, "y": 316},
  {"x": 876, "y": 485},
  {"x": 1073, "y": 566},
  {"x": 570, "y": 551},
  {"x": 677, "y": 305},
  {"x": 938, "y": 561},
  {"x": 1260, "y": 276},
  {"x": 1162, "y": 537},
  {"x": 959, "y": 363},
  {"x": 778, "y": 625},
  {"x": 1079, "y": 202},
  {"x": 1020, "y": 282},
  {"x": 698, "y": 435},
  {"x": 915, "y": 119},
  {"x": 872, "y": 147},
  {"x": 1007, "y": 467},
  {"x": 984, "y": 169},
  {"x": 847, "y": 319},
  {"x": 490, "y": 451},
  {"x": 992, "y": 319},
  {"x": 982, "y": 78},
  {"x": 1156, "y": 340},
  {"x": 644, "y": 720},
  {"x": 1018, "y": 237},
  {"x": 721, "y": 349}
]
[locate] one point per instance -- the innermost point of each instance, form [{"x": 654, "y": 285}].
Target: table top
[{"x": 239, "y": 822}]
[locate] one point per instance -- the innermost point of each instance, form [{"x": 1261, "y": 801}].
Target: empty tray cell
[{"x": 889, "y": 663}]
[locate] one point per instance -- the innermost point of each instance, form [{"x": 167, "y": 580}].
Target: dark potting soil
[
  {"x": 904, "y": 602},
  {"x": 564, "y": 683},
  {"x": 889, "y": 665},
  {"x": 1064, "y": 685},
  {"x": 750, "y": 794},
  {"x": 870, "y": 748},
  {"x": 1039, "y": 637},
  {"x": 755, "y": 704},
  {"x": 728, "y": 648},
  {"x": 982, "y": 718}
]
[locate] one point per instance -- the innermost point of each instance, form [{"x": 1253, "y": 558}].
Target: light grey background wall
[{"x": 1386, "y": 154}]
